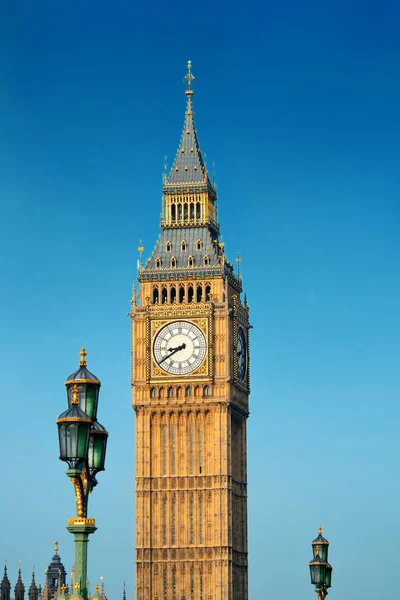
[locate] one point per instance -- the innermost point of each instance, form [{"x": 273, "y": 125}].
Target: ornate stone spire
[
  {"x": 19, "y": 590},
  {"x": 5, "y": 586},
  {"x": 189, "y": 166},
  {"x": 33, "y": 593},
  {"x": 189, "y": 197}
]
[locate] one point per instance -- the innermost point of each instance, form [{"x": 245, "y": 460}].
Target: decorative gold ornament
[{"x": 83, "y": 354}]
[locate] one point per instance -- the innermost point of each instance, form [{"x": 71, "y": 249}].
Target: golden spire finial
[
  {"x": 83, "y": 354},
  {"x": 56, "y": 546},
  {"x": 140, "y": 250},
  {"x": 189, "y": 77},
  {"x": 238, "y": 260},
  {"x": 77, "y": 586},
  {"x": 63, "y": 588},
  {"x": 97, "y": 587},
  {"x": 320, "y": 530},
  {"x": 75, "y": 393}
]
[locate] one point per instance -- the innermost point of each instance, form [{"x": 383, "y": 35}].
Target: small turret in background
[
  {"x": 33, "y": 593},
  {"x": 19, "y": 589},
  {"x": 5, "y": 586}
]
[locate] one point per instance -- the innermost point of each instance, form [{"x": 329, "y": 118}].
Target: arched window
[
  {"x": 198, "y": 209},
  {"x": 165, "y": 436},
  {"x": 191, "y": 444},
  {"x": 165, "y": 584},
  {"x": 155, "y": 296},
  {"x": 190, "y": 261},
  {"x": 188, "y": 391},
  {"x": 191, "y": 582},
  {"x": 200, "y": 447},
  {"x": 200, "y": 518},
  {"x": 206, "y": 391},
  {"x": 192, "y": 211},
  {"x": 163, "y": 295},
  {"x": 153, "y": 392},
  {"x": 158, "y": 263},
  {"x": 183, "y": 246},
  {"x": 174, "y": 582},
  {"x": 191, "y": 520},
  {"x": 199, "y": 293},
  {"x": 168, "y": 245},
  {"x": 190, "y": 293},
  {"x": 206, "y": 260},
  {"x": 199, "y": 245},
  {"x": 173, "y": 444},
  {"x": 173, "y": 294},
  {"x": 185, "y": 212},
  {"x": 208, "y": 292},
  {"x": 173, "y": 212},
  {"x": 181, "y": 294},
  {"x": 173, "y": 528},
  {"x": 179, "y": 212},
  {"x": 170, "y": 392},
  {"x": 173, "y": 262}
]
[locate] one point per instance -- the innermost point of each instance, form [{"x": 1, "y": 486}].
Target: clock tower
[{"x": 190, "y": 389}]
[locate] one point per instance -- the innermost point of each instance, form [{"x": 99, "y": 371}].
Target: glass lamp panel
[
  {"x": 328, "y": 576},
  {"x": 71, "y": 441},
  {"x": 95, "y": 453},
  {"x": 82, "y": 397},
  {"x": 323, "y": 549},
  {"x": 317, "y": 572},
  {"x": 91, "y": 401},
  {"x": 62, "y": 438},
  {"x": 82, "y": 444}
]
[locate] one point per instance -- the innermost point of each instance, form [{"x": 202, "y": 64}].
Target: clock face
[
  {"x": 241, "y": 354},
  {"x": 179, "y": 348}
]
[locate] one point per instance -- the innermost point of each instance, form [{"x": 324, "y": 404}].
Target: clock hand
[{"x": 172, "y": 351}]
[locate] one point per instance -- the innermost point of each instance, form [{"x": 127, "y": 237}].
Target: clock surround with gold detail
[{"x": 179, "y": 348}]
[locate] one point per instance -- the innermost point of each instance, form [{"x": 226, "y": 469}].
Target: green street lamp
[
  {"x": 83, "y": 444},
  {"x": 320, "y": 569}
]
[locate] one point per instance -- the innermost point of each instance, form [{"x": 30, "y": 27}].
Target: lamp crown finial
[
  {"x": 316, "y": 550},
  {"x": 320, "y": 530},
  {"x": 56, "y": 546},
  {"x": 83, "y": 354}
]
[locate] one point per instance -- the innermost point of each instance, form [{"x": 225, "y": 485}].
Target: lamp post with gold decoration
[
  {"x": 83, "y": 443},
  {"x": 320, "y": 569}
]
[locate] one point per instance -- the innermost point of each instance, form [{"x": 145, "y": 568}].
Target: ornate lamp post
[
  {"x": 83, "y": 443},
  {"x": 320, "y": 569}
]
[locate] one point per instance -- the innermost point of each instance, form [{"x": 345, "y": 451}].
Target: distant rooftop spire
[{"x": 124, "y": 593}]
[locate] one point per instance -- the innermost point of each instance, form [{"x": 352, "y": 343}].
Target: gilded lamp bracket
[{"x": 83, "y": 484}]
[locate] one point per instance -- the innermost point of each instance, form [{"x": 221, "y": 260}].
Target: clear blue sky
[{"x": 297, "y": 103}]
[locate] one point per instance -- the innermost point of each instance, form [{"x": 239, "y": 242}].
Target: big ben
[{"x": 190, "y": 390}]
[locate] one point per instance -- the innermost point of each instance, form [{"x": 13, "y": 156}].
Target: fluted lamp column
[{"x": 83, "y": 444}]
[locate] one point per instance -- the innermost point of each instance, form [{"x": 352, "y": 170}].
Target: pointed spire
[
  {"x": 5, "y": 586},
  {"x": 33, "y": 592},
  {"x": 124, "y": 592},
  {"x": 189, "y": 167},
  {"x": 102, "y": 594},
  {"x": 46, "y": 590},
  {"x": 19, "y": 590}
]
